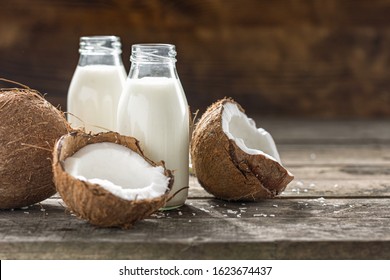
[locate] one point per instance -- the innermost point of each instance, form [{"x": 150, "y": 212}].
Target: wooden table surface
[{"x": 338, "y": 207}]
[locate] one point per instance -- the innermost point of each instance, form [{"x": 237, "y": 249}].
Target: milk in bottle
[
  {"x": 96, "y": 85},
  {"x": 153, "y": 108}
]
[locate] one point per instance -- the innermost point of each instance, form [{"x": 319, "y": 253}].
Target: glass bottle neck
[
  {"x": 141, "y": 70},
  {"x": 109, "y": 59},
  {"x": 105, "y": 50},
  {"x": 153, "y": 60}
]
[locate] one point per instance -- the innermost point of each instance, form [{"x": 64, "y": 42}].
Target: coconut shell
[
  {"x": 226, "y": 171},
  {"x": 92, "y": 202},
  {"x": 29, "y": 128}
]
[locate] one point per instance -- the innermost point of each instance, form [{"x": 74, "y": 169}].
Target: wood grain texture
[
  {"x": 334, "y": 209},
  {"x": 278, "y": 58},
  {"x": 295, "y": 229}
]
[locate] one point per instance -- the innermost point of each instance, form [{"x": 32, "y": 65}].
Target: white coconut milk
[
  {"x": 94, "y": 95},
  {"x": 154, "y": 110}
]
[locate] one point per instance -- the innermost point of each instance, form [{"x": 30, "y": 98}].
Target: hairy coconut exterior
[
  {"x": 92, "y": 202},
  {"x": 29, "y": 128},
  {"x": 227, "y": 172}
]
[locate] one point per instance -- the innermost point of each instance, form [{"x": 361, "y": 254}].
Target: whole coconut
[
  {"x": 29, "y": 128},
  {"x": 234, "y": 160}
]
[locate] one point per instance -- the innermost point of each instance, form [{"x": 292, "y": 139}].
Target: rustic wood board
[
  {"x": 306, "y": 132},
  {"x": 315, "y": 188},
  {"x": 208, "y": 228}
]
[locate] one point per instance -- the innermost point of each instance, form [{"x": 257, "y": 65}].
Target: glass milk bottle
[
  {"x": 153, "y": 108},
  {"x": 96, "y": 85}
]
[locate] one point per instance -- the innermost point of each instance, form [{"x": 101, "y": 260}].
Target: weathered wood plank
[
  {"x": 342, "y": 172},
  {"x": 308, "y": 132},
  {"x": 283, "y": 228},
  {"x": 331, "y": 154},
  {"x": 284, "y": 250},
  {"x": 315, "y": 188}
]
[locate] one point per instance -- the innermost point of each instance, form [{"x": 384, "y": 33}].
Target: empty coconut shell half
[
  {"x": 106, "y": 179},
  {"x": 234, "y": 160}
]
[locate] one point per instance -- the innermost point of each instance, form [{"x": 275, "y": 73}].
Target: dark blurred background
[{"x": 326, "y": 59}]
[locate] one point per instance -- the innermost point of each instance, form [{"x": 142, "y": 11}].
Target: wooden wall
[{"x": 291, "y": 58}]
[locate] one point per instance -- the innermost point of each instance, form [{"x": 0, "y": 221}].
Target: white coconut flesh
[
  {"x": 238, "y": 127},
  {"x": 118, "y": 170}
]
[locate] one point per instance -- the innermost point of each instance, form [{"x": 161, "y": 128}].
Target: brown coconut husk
[
  {"x": 226, "y": 171},
  {"x": 90, "y": 201},
  {"x": 29, "y": 128}
]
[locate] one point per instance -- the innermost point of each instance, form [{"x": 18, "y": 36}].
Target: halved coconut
[
  {"x": 106, "y": 179},
  {"x": 232, "y": 159}
]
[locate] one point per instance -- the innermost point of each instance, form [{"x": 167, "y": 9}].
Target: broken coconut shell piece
[
  {"x": 106, "y": 179},
  {"x": 234, "y": 160}
]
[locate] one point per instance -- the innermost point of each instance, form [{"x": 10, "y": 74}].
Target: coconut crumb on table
[
  {"x": 260, "y": 215},
  {"x": 299, "y": 184}
]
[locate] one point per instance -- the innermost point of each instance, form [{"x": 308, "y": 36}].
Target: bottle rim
[
  {"x": 100, "y": 44},
  {"x": 153, "y": 53}
]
